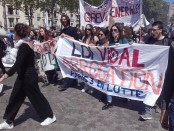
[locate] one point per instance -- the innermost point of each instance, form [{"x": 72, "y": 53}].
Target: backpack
[{"x": 167, "y": 41}]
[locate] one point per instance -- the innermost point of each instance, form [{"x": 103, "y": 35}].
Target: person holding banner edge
[
  {"x": 26, "y": 84},
  {"x": 72, "y": 33},
  {"x": 89, "y": 39},
  {"x": 156, "y": 38},
  {"x": 104, "y": 41},
  {"x": 51, "y": 74}
]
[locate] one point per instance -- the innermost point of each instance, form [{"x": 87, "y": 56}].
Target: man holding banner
[
  {"x": 157, "y": 39},
  {"x": 70, "y": 32}
]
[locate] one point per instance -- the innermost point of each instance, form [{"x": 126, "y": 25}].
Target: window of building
[
  {"x": 11, "y": 22},
  {"x": 26, "y": 10},
  {"x": 49, "y": 22},
  {"x": 55, "y": 22},
  {"x": 17, "y": 12},
  {"x": 17, "y": 20},
  {"x": 49, "y": 13},
  {"x": 55, "y": 14},
  {"x": 10, "y": 10},
  {"x": 71, "y": 24}
]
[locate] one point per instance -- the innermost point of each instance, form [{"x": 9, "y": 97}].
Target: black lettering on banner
[
  {"x": 90, "y": 53},
  {"x": 92, "y": 81},
  {"x": 73, "y": 51},
  {"x": 44, "y": 60}
]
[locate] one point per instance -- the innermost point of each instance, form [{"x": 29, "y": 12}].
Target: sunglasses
[
  {"x": 114, "y": 30},
  {"x": 100, "y": 34},
  {"x": 87, "y": 29}
]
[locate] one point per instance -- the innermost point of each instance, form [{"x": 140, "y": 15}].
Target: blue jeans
[
  {"x": 148, "y": 109},
  {"x": 109, "y": 98},
  {"x": 69, "y": 81},
  {"x": 171, "y": 116}
]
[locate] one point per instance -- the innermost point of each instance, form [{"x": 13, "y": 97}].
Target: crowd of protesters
[{"x": 92, "y": 36}]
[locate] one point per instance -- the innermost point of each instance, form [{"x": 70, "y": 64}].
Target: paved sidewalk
[{"x": 77, "y": 111}]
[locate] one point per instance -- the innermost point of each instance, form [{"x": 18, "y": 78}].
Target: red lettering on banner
[
  {"x": 122, "y": 75},
  {"x": 83, "y": 65},
  {"x": 125, "y": 56},
  {"x": 68, "y": 63},
  {"x": 93, "y": 71},
  {"x": 139, "y": 79},
  {"x": 126, "y": 11},
  {"x": 113, "y": 56},
  {"x": 131, "y": 79},
  {"x": 142, "y": 80},
  {"x": 123, "y": 11},
  {"x": 38, "y": 48},
  {"x": 94, "y": 17},
  {"x": 156, "y": 89},
  {"x": 74, "y": 62},
  {"x": 117, "y": 12},
  {"x": 110, "y": 75},
  {"x": 135, "y": 59},
  {"x": 101, "y": 71}
]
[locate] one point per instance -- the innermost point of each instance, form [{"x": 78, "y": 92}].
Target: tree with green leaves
[
  {"x": 172, "y": 19},
  {"x": 157, "y": 9}
]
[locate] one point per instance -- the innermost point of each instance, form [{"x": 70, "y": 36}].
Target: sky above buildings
[{"x": 169, "y": 0}]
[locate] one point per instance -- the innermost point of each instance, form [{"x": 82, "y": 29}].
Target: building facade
[{"x": 13, "y": 16}]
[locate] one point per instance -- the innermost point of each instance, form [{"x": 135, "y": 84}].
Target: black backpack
[{"x": 167, "y": 41}]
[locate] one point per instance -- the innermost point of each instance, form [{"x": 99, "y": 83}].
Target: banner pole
[{"x": 141, "y": 12}]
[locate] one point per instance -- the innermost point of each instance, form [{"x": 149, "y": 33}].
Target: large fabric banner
[
  {"x": 131, "y": 71},
  {"x": 125, "y": 11},
  {"x": 97, "y": 16},
  {"x": 45, "y": 49},
  {"x": 120, "y": 11}
]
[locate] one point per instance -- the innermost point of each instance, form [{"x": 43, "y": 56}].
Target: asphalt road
[{"x": 77, "y": 111}]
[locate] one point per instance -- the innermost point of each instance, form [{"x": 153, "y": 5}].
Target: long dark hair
[
  {"x": 45, "y": 37},
  {"x": 86, "y": 36},
  {"x": 67, "y": 18},
  {"x": 111, "y": 39}
]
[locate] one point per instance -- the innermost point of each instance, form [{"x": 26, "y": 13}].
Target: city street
[{"x": 77, "y": 111}]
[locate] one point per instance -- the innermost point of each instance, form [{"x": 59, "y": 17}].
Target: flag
[{"x": 46, "y": 21}]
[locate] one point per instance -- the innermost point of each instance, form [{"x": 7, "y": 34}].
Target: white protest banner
[
  {"x": 132, "y": 71},
  {"x": 46, "y": 50},
  {"x": 121, "y": 11},
  {"x": 97, "y": 16},
  {"x": 126, "y": 11}
]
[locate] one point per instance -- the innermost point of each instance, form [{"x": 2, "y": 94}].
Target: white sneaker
[
  {"x": 48, "y": 121},
  {"x": 83, "y": 90},
  {"x": 1, "y": 87},
  {"x": 5, "y": 125}
]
